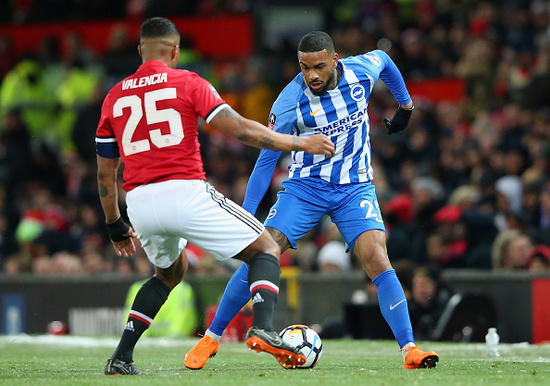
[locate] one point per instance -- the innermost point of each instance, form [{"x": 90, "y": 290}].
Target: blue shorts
[{"x": 300, "y": 206}]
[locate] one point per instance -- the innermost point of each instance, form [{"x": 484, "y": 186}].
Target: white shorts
[{"x": 166, "y": 215}]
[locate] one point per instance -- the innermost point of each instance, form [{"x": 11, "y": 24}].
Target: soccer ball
[{"x": 306, "y": 341}]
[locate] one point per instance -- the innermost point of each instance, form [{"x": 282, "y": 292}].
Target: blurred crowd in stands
[{"x": 467, "y": 185}]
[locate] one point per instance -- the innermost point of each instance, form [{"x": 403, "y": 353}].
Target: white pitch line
[{"x": 87, "y": 341}]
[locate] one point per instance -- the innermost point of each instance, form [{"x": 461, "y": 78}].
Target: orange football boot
[
  {"x": 205, "y": 349},
  {"x": 418, "y": 359}
]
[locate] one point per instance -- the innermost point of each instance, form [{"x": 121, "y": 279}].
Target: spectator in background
[
  {"x": 43, "y": 230},
  {"x": 478, "y": 223},
  {"x": 429, "y": 299},
  {"x": 368, "y": 294},
  {"x": 414, "y": 63},
  {"x": 89, "y": 230},
  {"x": 256, "y": 94},
  {"x": 399, "y": 215},
  {"x": 420, "y": 146},
  {"x": 511, "y": 250},
  {"x": 508, "y": 200},
  {"x": 191, "y": 59},
  {"x": 531, "y": 205},
  {"x": 476, "y": 67},
  {"x": 464, "y": 197},
  {"x": 25, "y": 88},
  {"x": 16, "y": 156},
  {"x": 77, "y": 51},
  {"x": 77, "y": 91},
  {"x": 333, "y": 257},
  {"x": 83, "y": 129},
  {"x": 447, "y": 244},
  {"x": 51, "y": 62},
  {"x": 94, "y": 263},
  {"x": 405, "y": 272},
  {"x": 47, "y": 171},
  {"x": 539, "y": 154},
  {"x": 120, "y": 59},
  {"x": 427, "y": 196},
  {"x": 539, "y": 259}
]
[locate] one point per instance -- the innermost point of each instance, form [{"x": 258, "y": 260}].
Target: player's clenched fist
[{"x": 319, "y": 144}]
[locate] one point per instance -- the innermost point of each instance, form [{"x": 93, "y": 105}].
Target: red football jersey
[{"x": 150, "y": 119}]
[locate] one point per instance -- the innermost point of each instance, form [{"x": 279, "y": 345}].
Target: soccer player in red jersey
[{"x": 150, "y": 121}]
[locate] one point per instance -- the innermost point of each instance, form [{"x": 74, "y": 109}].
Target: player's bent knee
[
  {"x": 263, "y": 244},
  {"x": 267, "y": 244},
  {"x": 171, "y": 276}
]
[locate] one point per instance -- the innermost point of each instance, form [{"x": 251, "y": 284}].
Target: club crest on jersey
[
  {"x": 271, "y": 121},
  {"x": 357, "y": 92},
  {"x": 272, "y": 214}
]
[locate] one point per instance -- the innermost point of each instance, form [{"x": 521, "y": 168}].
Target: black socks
[
  {"x": 150, "y": 297},
  {"x": 264, "y": 276}
]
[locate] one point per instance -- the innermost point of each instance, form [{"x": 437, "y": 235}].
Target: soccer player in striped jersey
[
  {"x": 149, "y": 120},
  {"x": 329, "y": 96}
]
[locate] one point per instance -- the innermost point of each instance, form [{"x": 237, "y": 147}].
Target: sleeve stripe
[
  {"x": 105, "y": 139},
  {"x": 215, "y": 111}
]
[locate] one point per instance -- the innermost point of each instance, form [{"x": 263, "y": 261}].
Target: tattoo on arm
[
  {"x": 267, "y": 143},
  {"x": 279, "y": 238},
  {"x": 103, "y": 191}
]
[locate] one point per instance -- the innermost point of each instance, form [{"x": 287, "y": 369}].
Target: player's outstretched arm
[
  {"x": 120, "y": 233},
  {"x": 257, "y": 135}
]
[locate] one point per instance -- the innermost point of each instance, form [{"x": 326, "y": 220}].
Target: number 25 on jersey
[{"x": 152, "y": 116}]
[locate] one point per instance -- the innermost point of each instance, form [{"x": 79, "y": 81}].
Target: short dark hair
[
  {"x": 316, "y": 41},
  {"x": 157, "y": 27}
]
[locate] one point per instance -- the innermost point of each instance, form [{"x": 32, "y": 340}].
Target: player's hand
[
  {"x": 121, "y": 236},
  {"x": 319, "y": 144},
  {"x": 399, "y": 121},
  {"x": 126, "y": 247}
]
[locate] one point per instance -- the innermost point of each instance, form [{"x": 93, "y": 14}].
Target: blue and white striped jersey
[{"x": 340, "y": 113}]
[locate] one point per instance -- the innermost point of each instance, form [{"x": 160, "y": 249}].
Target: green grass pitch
[{"x": 67, "y": 360}]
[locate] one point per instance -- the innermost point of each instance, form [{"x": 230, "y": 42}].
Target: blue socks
[
  {"x": 391, "y": 299},
  {"x": 235, "y": 296},
  {"x": 394, "y": 306}
]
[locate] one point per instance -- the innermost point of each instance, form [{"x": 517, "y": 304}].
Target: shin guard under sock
[
  {"x": 150, "y": 297},
  {"x": 394, "y": 307},
  {"x": 264, "y": 275}
]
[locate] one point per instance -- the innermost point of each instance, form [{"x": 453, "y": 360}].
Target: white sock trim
[
  {"x": 213, "y": 336},
  {"x": 406, "y": 348}
]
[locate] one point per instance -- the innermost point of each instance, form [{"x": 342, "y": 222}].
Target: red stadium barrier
[
  {"x": 436, "y": 90},
  {"x": 225, "y": 36},
  {"x": 541, "y": 311}
]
